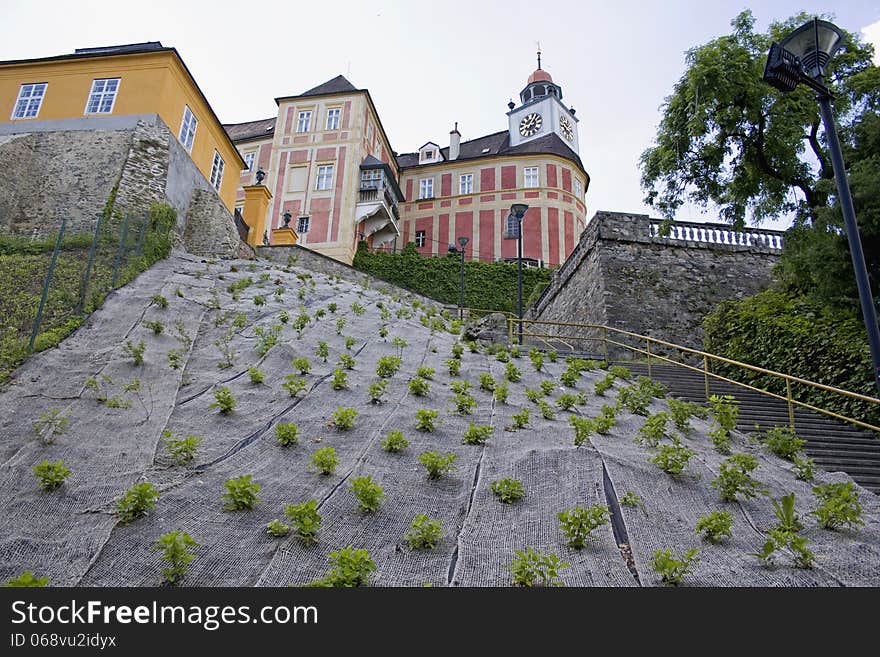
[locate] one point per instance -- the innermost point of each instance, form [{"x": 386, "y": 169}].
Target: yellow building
[{"x": 136, "y": 79}]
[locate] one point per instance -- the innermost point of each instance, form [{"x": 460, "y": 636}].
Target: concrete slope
[{"x": 216, "y": 328}]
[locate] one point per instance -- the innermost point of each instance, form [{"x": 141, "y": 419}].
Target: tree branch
[{"x": 825, "y": 171}]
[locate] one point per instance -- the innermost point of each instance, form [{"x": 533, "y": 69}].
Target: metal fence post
[
  {"x": 119, "y": 251},
  {"x": 88, "y": 272},
  {"x": 46, "y": 284},
  {"x": 706, "y": 375},
  {"x": 509, "y": 331},
  {"x": 605, "y": 342},
  {"x": 143, "y": 229},
  {"x": 790, "y": 405},
  {"x": 648, "y": 349}
]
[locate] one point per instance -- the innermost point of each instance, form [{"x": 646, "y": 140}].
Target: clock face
[
  {"x": 530, "y": 124},
  {"x": 566, "y": 128}
]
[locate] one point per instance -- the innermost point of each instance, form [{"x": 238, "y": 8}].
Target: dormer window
[
  {"x": 429, "y": 155},
  {"x": 430, "y": 152}
]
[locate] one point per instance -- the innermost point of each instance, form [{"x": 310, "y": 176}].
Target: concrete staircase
[{"x": 833, "y": 445}]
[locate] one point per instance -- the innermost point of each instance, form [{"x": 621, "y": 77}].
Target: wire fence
[{"x": 52, "y": 282}]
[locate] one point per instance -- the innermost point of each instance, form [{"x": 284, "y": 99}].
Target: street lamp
[
  {"x": 462, "y": 241},
  {"x": 517, "y": 212},
  {"x": 802, "y": 57}
]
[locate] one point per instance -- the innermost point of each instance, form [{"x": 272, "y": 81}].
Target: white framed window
[
  {"x": 577, "y": 188},
  {"x": 302, "y": 224},
  {"x": 466, "y": 183},
  {"x": 188, "y": 128},
  {"x": 217, "y": 171},
  {"x": 297, "y": 179},
  {"x": 426, "y": 188},
  {"x": 249, "y": 161},
  {"x": 325, "y": 177},
  {"x": 30, "y": 98},
  {"x": 429, "y": 155},
  {"x": 530, "y": 177},
  {"x": 304, "y": 122},
  {"x": 333, "y": 118},
  {"x": 420, "y": 238},
  {"x": 102, "y": 96}
]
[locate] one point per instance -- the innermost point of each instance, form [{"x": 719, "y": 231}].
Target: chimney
[{"x": 454, "y": 142}]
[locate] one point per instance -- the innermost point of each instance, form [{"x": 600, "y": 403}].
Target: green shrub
[
  {"x": 425, "y": 372},
  {"x": 239, "y": 321},
  {"x": 350, "y": 342},
  {"x": 477, "y": 435},
  {"x": 135, "y": 351},
  {"x": 347, "y": 361},
  {"x": 325, "y": 460},
  {"x": 804, "y": 469},
  {"x": 547, "y": 388},
  {"x": 734, "y": 478},
  {"x": 508, "y": 490},
  {"x": 583, "y": 429},
  {"x": 425, "y": 419},
  {"x": 304, "y": 519},
  {"x": 635, "y": 399},
  {"x": 457, "y": 351},
  {"x": 51, "y": 475},
  {"x": 136, "y": 502},
  {"x": 182, "y": 450},
  {"x": 287, "y": 433},
  {"x": 670, "y": 569},
  {"x": 241, "y": 493},
  {"x": 838, "y": 505},
  {"x": 620, "y": 372},
  {"x": 578, "y": 523},
  {"x": 225, "y": 400},
  {"x": 323, "y": 351},
  {"x": 387, "y": 366},
  {"x": 331, "y": 307},
  {"x": 715, "y": 526},
  {"x": 302, "y": 364},
  {"x": 175, "y": 547},
  {"x": 532, "y": 568},
  {"x": 284, "y": 317},
  {"x": 268, "y": 338},
  {"x": 487, "y": 382},
  {"x": 521, "y": 419},
  {"x": 424, "y": 533},
  {"x": 343, "y": 418},
  {"x": 460, "y": 387},
  {"x": 464, "y": 404},
  {"x": 377, "y": 391},
  {"x": 783, "y": 442},
  {"x": 174, "y": 359},
  {"x": 26, "y": 580},
  {"x": 394, "y": 442},
  {"x": 419, "y": 386},
  {"x": 653, "y": 430},
  {"x": 155, "y": 327},
  {"x": 606, "y": 419},
  {"x": 566, "y": 401},
  {"x": 454, "y": 365},
  {"x": 256, "y": 375},
  {"x": 357, "y": 308},
  {"x": 340, "y": 325},
  {"x": 603, "y": 385},
  {"x": 532, "y": 395},
  {"x": 547, "y": 411},
  {"x": 51, "y": 423},
  {"x": 672, "y": 459},
  {"x": 300, "y": 323},
  {"x": 339, "y": 379},
  {"x": 511, "y": 373},
  {"x": 501, "y": 392},
  {"x": 437, "y": 464},
  {"x": 630, "y": 499},
  {"x": 537, "y": 359},
  {"x": 350, "y": 568},
  {"x": 368, "y": 493},
  {"x": 681, "y": 412},
  {"x": 293, "y": 384},
  {"x": 277, "y": 528},
  {"x": 160, "y": 301}
]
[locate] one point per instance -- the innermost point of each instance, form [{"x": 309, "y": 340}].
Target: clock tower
[{"x": 541, "y": 112}]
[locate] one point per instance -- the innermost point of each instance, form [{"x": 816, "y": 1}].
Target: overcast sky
[{"x": 429, "y": 64}]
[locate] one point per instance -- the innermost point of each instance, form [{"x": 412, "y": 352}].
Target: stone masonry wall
[
  {"x": 71, "y": 166},
  {"x": 622, "y": 276}
]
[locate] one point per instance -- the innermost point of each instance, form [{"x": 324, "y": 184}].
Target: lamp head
[
  {"x": 462, "y": 241},
  {"x": 814, "y": 44},
  {"x": 518, "y": 210}
]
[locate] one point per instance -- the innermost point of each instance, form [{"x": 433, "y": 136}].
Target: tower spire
[{"x": 539, "y": 54}]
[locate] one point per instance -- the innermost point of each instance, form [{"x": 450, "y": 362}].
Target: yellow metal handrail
[{"x": 703, "y": 356}]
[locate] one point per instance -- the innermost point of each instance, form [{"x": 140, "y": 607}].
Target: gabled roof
[
  {"x": 262, "y": 129},
  {"x": 124, "y": 48},
  {"x": 338, "y": 85},
  {"x": 429, "y": 143},
  {"x": 496, "y": 144}
]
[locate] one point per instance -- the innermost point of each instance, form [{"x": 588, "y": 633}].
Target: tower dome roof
[{"x": 540, "y": 75}]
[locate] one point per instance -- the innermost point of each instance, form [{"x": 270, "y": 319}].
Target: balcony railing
[
  {"x": 681, "y": 231},
  {"x": 375, "y": 190}
]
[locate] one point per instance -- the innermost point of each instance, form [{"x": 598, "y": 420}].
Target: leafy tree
[{"x": 729, "y": 139}]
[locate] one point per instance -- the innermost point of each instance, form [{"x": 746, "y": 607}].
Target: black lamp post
[
  {"x": 517, "y": 212},
  {"x": 802, "y": 57},
  {"x": 462, "y": 242}
]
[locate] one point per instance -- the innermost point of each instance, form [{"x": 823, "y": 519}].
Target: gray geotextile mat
[{"x": 71, "y": 534}]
